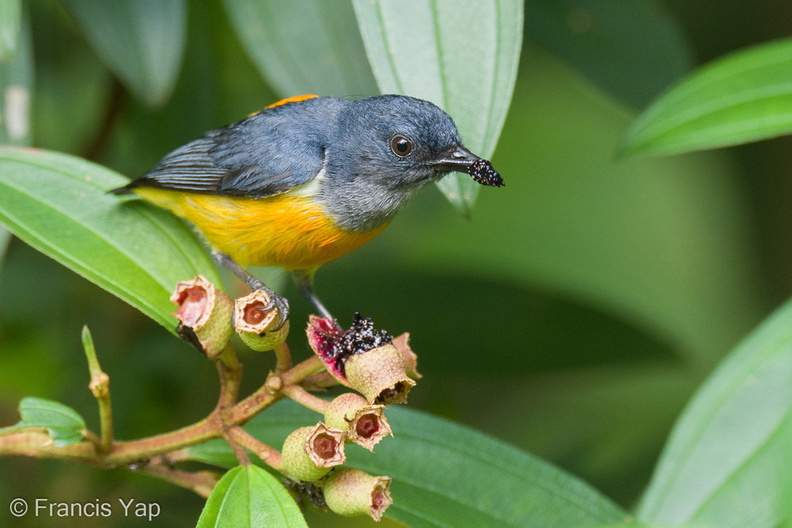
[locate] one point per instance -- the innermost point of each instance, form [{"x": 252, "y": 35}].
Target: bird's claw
[
  {"x": 282, "y": 305},
  {"x": 277, "y": 302}
]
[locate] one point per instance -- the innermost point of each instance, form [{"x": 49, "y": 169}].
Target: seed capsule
[
  {"x": 256, "y": 325},
  {"x": 204, "y": 315},
  {"x": 352, "y": 492}
]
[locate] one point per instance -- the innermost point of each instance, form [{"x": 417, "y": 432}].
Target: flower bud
[
  {"x": 309, "y": 452},
  {"x": 204, "y": 315},
  {"x": 379, "y": 375},
  {"x": 257, "y": 326},
  {"x": 364, "y": 424},
  {"x": 351, "y": 492}
]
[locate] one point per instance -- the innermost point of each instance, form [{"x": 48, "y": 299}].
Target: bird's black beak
[
  {"x": 461, "y": 159},
  {"x": 458, "y": 159}
]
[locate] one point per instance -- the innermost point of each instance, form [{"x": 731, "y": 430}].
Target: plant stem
[
  {"x": 319, "y": 381},
  {"x": 305, "y": 398},
  {"x": 155, "y": 455},
  {"x": 302, "y": 370},
  {"x": 230, "y": 371},
  {"x": 100, "y": 388},
  {"x": 271, "y": 391},
  {"x": 134, "y": 450},
  {"x": 38, "y": 444},
  {"x": 269, "y": 455},
  {"x": 283, "y": 358}
]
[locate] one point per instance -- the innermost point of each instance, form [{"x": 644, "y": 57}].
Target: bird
[{"x": 307, "y": 180}]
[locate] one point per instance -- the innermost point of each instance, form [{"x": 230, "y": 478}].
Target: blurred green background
[{"x": 573, "y": 315}]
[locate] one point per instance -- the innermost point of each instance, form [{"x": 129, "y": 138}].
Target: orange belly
[{"x": 286, "y": 231}]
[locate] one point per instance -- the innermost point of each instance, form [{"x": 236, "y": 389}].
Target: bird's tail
[{"x": 126, "y": 189}]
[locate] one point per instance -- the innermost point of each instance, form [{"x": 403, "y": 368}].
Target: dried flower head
[
  {"x": 256, "y": 324},
  {"x": 204, "y": 314},
  {"x": 309, "y": 452},
  {"x": 379, "y": 371},
  {"x": 325, "y": 446},
  {"x": 380, "y": 375},
  {"x": 410, "y": 358},
  {"x": 352, "y": 492},
  {"x": 365, "y": 424}
]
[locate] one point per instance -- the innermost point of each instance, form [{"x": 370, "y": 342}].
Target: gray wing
[{"x": 267, "y": 153}]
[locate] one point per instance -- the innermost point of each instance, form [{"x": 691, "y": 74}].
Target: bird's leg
[
  {"x": 255, "y": 284},
  {"x": 304, "y": 281}
]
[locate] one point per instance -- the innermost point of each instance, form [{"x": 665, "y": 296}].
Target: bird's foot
[
  {"x": 276, "y": 302},
  {"x": 303, "y": 281}
]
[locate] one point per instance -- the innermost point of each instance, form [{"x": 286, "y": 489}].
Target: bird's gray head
[{"x": 389, "y": 146}]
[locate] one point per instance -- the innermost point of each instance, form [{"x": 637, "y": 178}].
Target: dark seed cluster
[
  {"x": 336, "y": 345},
  {"x": 362, "y": 337},
  {"x": 483, "y": 173}
]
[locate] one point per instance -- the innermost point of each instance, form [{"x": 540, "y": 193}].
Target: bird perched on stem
[{"x": 307, "y": 180}]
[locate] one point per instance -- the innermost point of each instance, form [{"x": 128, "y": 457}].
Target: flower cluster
[
  {"x": 380, "y": 370},
  {"x": 204, "y": 313},
  {"x": 366, "y": 360},
  {"x": 309, "y": 454}
]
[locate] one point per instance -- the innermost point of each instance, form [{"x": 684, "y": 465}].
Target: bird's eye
[{"x": 401, "y": 146}]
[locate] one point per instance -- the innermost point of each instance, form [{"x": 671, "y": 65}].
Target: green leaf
[
  {"x": 745, "y": 96},
  {"x": 63, "y": 423},
  {"x": 311, "y": 46},
  {"x": 59, "y": 205},
  {"x": 601, "y": 39},
  {"x": 249, "y": 497},
  {"x": 461, "y": 55},
  {"x": 447, "y": 475},
  {"x": 10, "y": 21},
  {"x": 727, "y": 461},
  {"x": 142, "y": 41}
]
